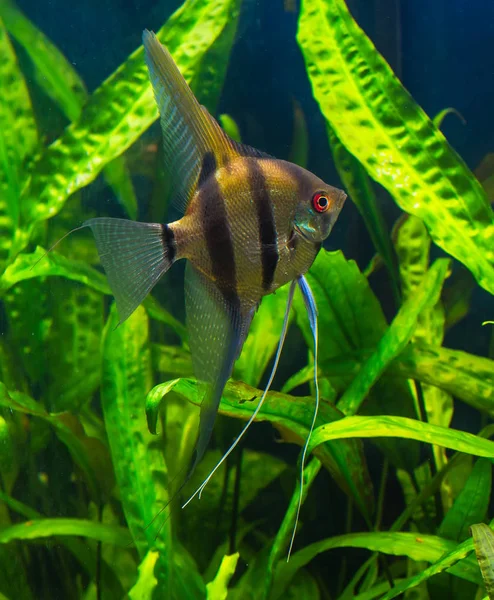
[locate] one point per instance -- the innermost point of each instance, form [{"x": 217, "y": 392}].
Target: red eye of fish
[{"x": 320, "y": 202}]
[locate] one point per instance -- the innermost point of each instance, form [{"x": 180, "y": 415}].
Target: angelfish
[{"x": 250, "y": 224}]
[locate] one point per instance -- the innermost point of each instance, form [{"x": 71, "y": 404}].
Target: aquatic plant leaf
[
  {"x": 218, "y": 588},
  {"x": 61, "y": 82},
  {"x": 118, "y": 112},
  {"x": 471, "y": 504},
  {"x": 415, "y": 546},
  {"x": 387, "y": 426},
  {"x": 483, "y": 539},
  {"x": 40, "y": 264},
  {"x": 147, "y": 582},
  {"x": 43, "y": 528},
  {"x": 453, "y": 561},
  {"x": 73, "y": 346},
  {"x": 412, "y": 243},
  {"x": 292, "y": 417},
  {"x": 282, "y": 539},
  {"x": 465, "y": 376},
  {"x": 85, "y": 451},
  {"x": 139, "y": 465},
  {"x": 396, "y": 337},
  {"x": 352, "y": 317},
  {"x": 263, "y": 338},
  {"x": 379, "y": 122},
  {"x": 55, "y": 75},
  {"x": 359, "y": 188},
  {"x": 441, "y": 115},
  {"x": 230, "y": 127},
  {"x": 172, "y": 360},
  {"x": 18, "y": 139}
]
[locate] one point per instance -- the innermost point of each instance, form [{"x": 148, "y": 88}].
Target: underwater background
[{"x": 97, "y": 423}]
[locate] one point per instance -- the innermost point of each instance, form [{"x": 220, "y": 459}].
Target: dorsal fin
[
  {"x": 192, "y": 138},
  {"x": 188, "y": 131}
]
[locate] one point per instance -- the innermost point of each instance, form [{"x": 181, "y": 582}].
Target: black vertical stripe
[
  {"x": 219, "y": 240},
  {"x": 169, "y": 242},
  {"x": 268, "y": 236},
  {"x": 208, "y": 167}
]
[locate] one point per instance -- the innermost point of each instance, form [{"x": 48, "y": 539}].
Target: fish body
[
  {"x": 250, "y": 224},
  {"x": 240, "y": 228}
]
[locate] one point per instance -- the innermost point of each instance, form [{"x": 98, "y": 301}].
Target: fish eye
[{"x": 320, "y": 202}]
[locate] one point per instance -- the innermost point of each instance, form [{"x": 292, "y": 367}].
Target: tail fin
[{"x": 134, "y": 256}]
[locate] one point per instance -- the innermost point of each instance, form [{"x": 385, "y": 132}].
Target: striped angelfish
[{"x": 250, "y": 224}]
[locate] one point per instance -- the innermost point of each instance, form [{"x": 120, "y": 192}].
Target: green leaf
[
  {"x": 40, "y": 264},
  {"x": 359, "y": 187},
  {"x": 349, "y": 310},
  {"x": 463, "y": 569},
  {"x": 386, "y": 426},
  {"x": 44, "y": 528},
  {"x": 471, "y": 505},
  {"x": 147, "y": 582},
  {"x": 88, "y": 453},
  {"x": 139, "y": 465},
  {"x": 412, "y": 244},
  {"x": 18, "y": 139},
  {"x": 292, "y": 417},
  {"x": 120, "y": 110},
  {"x": 396, "y": 337},
  {"x": 465, "y": 376},
  {"x": 218, "y": 588},
  {"x": 483, "y": 539},
  {"x": 417, "y": 547},
  {"x": 379, "y": 122},
  {"x": 441, "y": 115},
  {"x": 230, "y": 127},
  {"x": 262, "y": 340},
  {"x": 54, "y": 73},
  {"x": 73, "y": 347}
]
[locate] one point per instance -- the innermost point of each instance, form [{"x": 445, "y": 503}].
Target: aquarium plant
[{"x": 97, "y": 421}]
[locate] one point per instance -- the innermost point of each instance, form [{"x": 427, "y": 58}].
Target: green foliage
[{"x": 98, "y": 420}]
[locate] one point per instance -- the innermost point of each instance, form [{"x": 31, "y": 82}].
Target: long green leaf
[
  {"x": 139, "y": 464},
  {"x": 18, "y": 139},
  {"x": 292, "y": 417},
  {"x": 61, "y": 82},
  {"x": 384, "y": 426},
  {"x": 412, "y": 243},
  {"x": 359, "y": 187},
  {"x": 417, "y": 547},
  {"x": 471, "y": 505},
  {"x": 382, "y": 126},
  {"x": 395, "y": 339},
  {"x": 483, "y": 538},
  {"x": 54, "y": 73},
  {"x": 93, "y": 461},
  {"x": 43, "y": 528},
  {"x": 447, "y": 561},
  {"x": 118, "y": 112}
]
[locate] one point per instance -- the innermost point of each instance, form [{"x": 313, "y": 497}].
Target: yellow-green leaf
[
  {"x": 218, "y": 588},
  {"x": 483, "y": 539},
  {"x": 381, "y": 124}
]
